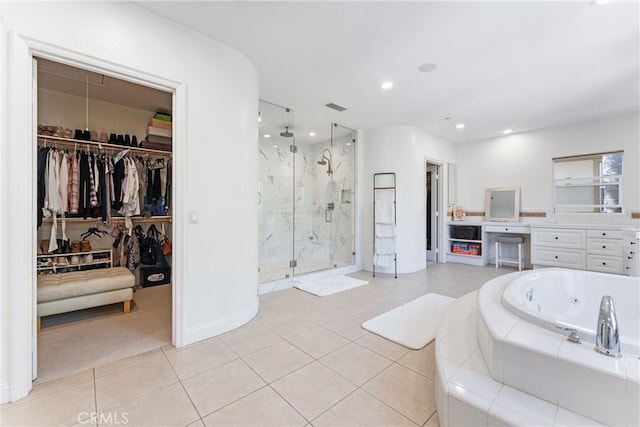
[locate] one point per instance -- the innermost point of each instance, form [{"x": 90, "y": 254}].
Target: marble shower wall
[{"x": 317, "y": 239}]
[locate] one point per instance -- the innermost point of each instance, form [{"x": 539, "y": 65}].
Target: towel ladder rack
[{"x": 384, "y": 185}]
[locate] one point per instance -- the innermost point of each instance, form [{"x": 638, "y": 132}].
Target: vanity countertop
[{"x": 587, "y": 226}]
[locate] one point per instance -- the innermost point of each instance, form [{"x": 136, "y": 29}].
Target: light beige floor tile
[
  {"x": 433, "y": 421},
  {"x": 217, "y": 387},
  {"x": 361, "y": 409},
  {"x": 248, "y": 340},
  {"x": 128, "y": 362},
  {"x": 169, "y": 406},
  {"x": 406, "y": 391},
  {"x": 356, "y": 363},
  {"x": 318, "y": 342},
  {"x": 56, "y": 386},
  {"x": 313, "y": 389},
  {"x": 200, "y": 357},
  {"x": 65, "y": 407},
  {"x": 276, "y": 361},
  {"x": 347, "y": 326},
  {"x": 291, "y": 326},
  {"x": 422, "y": 361},
  {"x": 382, "y": 346},
  {"x": 197, "y": 423},
  {"x": 261, "y": 408},
  {"x": 127, "y": 384}
]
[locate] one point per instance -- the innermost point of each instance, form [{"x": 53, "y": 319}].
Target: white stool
[{"x": 519, "y": 240}]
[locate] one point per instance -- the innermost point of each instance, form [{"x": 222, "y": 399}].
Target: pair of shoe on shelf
[
  {"x": 124, "y": 140},
  {"x": 57, "y": 131}
]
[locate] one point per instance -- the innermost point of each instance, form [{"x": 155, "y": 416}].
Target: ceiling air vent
[{"x": 335, "y": 106}]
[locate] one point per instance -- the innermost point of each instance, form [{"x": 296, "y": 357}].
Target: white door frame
[
  {"x": 438, "y": 206},
  {"x": 21, "y": 131}
]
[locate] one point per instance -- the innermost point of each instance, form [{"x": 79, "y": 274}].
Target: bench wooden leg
[
  {"x": 39, "y": 323},
  {"x": 127, "y": 306}
]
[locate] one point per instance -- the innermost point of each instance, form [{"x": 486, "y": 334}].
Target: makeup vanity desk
[{"x": 472, "y": 242}]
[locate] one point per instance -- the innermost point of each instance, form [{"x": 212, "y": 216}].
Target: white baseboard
[
  {"x": 212, "y": 329},
  {"x": 5, "y": 393}
]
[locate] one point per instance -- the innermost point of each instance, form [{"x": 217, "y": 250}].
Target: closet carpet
[{"x": 76, "y": 341}]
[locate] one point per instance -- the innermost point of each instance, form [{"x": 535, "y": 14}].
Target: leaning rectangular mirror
[{"x": 502, "y": 204}]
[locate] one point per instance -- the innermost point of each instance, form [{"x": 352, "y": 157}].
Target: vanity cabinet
[
  {"x": 604, "y": 251},
  {"x": 557, "y": 247},
  {"x": 590, "y": 249},
  {"x": 630, "y": 256},
  {"x": 465, "y": 244}
]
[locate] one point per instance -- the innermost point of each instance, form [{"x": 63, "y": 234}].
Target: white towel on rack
[
  {"x": 384, "y": 211},
  {"x": 384, "y": 251},
  {"x": 385, "y": 230},
  {"x": 385, "y": 245}
]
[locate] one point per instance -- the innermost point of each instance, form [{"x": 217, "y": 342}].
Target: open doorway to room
[
  {"x": 432, "y": 210},
  {"x": 100, "y": 131}
]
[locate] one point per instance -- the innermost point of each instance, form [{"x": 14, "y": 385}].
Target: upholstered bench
[{"x": 64, "y": 292}]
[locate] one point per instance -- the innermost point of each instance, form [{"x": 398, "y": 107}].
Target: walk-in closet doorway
[
  {"x": 160, "y": 302},
  {"x": 433, "y": 210}
]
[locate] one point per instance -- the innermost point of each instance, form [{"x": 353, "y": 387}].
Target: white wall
[
  {"x": 403, "y": 150},
  {"x": 215, "y": 262},
  {"x": 524, "y": 160}
]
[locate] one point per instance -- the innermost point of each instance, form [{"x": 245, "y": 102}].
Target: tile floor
[{"x": 303, "y": 360}]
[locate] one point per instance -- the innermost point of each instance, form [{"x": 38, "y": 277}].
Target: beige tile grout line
[{"x": 182, "y": 386}]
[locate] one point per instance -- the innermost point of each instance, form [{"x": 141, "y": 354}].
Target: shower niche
[{"x": 305, "y": 197}]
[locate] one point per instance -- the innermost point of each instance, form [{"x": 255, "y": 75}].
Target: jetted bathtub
[
  {"x": 558, "y": 298},
  {"x": 523, "y": 348}
]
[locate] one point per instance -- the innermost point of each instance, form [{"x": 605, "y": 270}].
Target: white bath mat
[
  {"x": 330, "y": 286},
  {"x": 413, "y": 324}
]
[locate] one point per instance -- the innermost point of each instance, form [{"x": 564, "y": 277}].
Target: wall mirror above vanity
[{"x": 502, "y": 204}]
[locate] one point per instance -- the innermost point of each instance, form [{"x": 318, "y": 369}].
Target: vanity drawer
[
  {"x": 604, "y": 263},
  {"x": 570, "y": 258},
  {"x": 605, "y": 234},
  {"x": 604, "y": 247},
  {"x": 562, "y": 238},
  {"x": 517, "y": 229}
]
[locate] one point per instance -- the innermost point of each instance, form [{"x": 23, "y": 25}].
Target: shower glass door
[
  {"x": 305, "y": 197},
  {"x": 324, "y": 207},
  {"x": 275, "y": 193},
  {"x": 343, "y": 142}
]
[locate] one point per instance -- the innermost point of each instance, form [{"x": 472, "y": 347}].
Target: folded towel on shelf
[
  {"x": 385, "y": 230},
  {"x": 384, "y": 211}
]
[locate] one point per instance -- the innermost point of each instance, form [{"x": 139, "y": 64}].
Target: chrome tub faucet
[{"x": 607, "y": 334}]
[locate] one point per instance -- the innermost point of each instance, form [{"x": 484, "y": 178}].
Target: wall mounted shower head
[
  {"x": 326, "y": 160},
  {"x": 286, "y": 133}
]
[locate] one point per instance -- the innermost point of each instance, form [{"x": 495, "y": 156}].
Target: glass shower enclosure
[{"x": 305, "y": 197}]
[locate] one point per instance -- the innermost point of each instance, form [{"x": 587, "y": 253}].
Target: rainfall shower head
[
  {"x": 286, "y": 133},
  {"x": 326, "y": 160}
]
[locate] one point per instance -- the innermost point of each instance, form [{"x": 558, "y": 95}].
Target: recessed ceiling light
[
  {"x": 386, "y": 85},
  {"x": 312, "y": 134},
  {"x": 266, "y": 135},
  {"x": 428, "y": 67},
  {"x": 506, "y": 131},
  {"x": 460, "y": 126},
  {"x": 275, "y": 146}
]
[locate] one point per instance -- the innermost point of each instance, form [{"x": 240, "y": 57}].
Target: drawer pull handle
[
  {"x": 604, "y": 263},
  {"x": 604, "y": 234},
  {"x": 633, "y": 243},
  {"x": 556, "y": 256},
  {"x": 604, "y": 247},
  {"x": 556, "y": 237}
]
